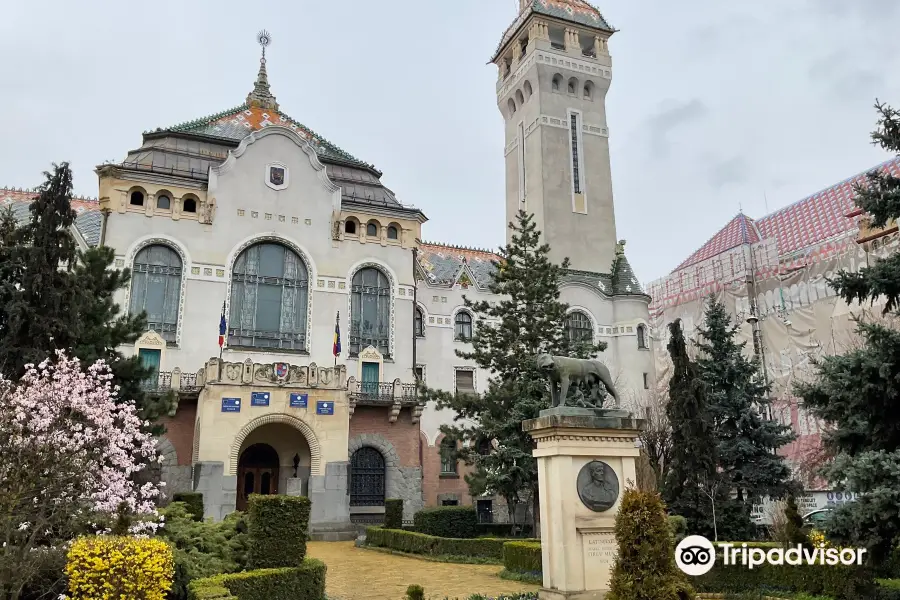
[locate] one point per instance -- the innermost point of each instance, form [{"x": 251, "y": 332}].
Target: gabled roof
[
  {"x": 800, "y": 225},
  {"x": 442, "y": 263},
  {"x": 88, "y": 222},
  {"x": 575, "y": 11}
]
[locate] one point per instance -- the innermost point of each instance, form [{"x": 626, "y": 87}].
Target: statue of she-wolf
[{"x": 564, "y": 372}]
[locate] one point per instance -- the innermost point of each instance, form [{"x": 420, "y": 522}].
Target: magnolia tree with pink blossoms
[{"x": 69, "y": 454}]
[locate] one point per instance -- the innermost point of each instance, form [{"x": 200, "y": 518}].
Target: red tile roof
[
  {"x": 9, "y": 195},
  {"x": 800, "y": 225}
]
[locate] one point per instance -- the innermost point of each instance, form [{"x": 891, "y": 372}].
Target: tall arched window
[
  {"x": 463, "y": 326},
  {"x": 370, "y": 311},
  {"x": 269, "y": 296},
  {"x": 156, "y": 288},
  {"x": 418, "y": 322},
  {"x": 579, "y": 326},
  {"x": 367, "y": 475},
  {"x": 642, "y": 337},
  {"x": 448, "y": 457}
]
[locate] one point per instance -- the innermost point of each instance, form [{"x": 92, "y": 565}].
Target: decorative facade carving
[{"x": 284, "y": 374}]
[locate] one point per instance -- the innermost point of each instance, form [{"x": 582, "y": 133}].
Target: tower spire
[{"x": 261, "y": 96}]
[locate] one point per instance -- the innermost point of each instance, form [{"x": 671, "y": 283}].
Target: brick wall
[
  {"x": 403, "y": 434},
  {"x": 180, "y": 430},
  {"x": 436, "y": 486}
]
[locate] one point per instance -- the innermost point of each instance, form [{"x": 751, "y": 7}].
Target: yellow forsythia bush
[{"x": 117, "y": 567}]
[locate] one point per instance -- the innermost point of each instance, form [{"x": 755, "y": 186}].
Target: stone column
[
  {"x": 586, "y": 458},
  {"x": 219, "y": 490}
]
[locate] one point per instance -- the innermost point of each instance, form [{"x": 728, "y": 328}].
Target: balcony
[
  {"x": 176, "y": 381},
  {"x": 394, "y": 395}
]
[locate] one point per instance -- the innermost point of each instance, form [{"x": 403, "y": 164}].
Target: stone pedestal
[
  {"x": 330, "y": 517},
  {"x": 586, "y": 459}
]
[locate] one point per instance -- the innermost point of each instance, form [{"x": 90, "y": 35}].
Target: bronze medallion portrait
[
  {"x": 276, "y": 175},
  {"x": 598, "y": 486}
]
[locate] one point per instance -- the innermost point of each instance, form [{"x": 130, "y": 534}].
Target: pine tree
[
  {"x": 856, "y": 394},
  {"x": 645, "y": 567},
  {"x": 38, "y": 316},
  {"x": 738, "y": 398},
  {"x": 692, "y": 468},
  {"x": 510, "y": 332}
]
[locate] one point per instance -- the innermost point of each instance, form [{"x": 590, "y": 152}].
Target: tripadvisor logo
[{"x": 696, "y": 555}]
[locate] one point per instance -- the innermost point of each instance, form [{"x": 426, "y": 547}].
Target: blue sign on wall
[
  {"x": 259, "y": 398},
  {"x": 299, "y": 400},
  {"x": 325, "y": 408},
  {"x": 231, "y": 405}
]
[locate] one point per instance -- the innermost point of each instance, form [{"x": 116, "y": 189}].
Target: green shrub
[
  {"x": 678, "y": 527},
  {"x": 503, "y": 530},
  {"x": 415, "y": 592},
  {"x": 194, "y": 501},
  {"x": 393, "y": 513},
  {"x": 203, "y": 548},
  {"x": 430, "y": 545},
  {"x": 49, "y": 579},
  {"x": 448, "y": 521},
  {"x": 279, "y": 528},
  {"x": 522, "y": 557},
  {"x": 839, "y": 582},
  {"x": 644, "y": 567},
  {"x": 306, "y": 582},
  {"x": 792, "y": 533}
]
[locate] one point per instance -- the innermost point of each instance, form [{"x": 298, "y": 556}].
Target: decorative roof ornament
[
  {"x": 620, "y": 248},
  {"x": 261, "y": 96}
]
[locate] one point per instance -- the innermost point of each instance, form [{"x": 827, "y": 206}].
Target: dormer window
[
  {"x": 392, "y": 233},
  {"x": 190, "y": 205},
  {"x": 163, "y": 202},
  {"x": 350, "y": 227},
  {"x": 137, "y": 198},
  {"x": 372, "y": 230}
]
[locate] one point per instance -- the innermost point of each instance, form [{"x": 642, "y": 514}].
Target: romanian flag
[
  {"x": 222, "y": 327},
  {"x": 336, "y": 349}
]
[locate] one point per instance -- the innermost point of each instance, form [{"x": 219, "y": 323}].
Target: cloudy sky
[{"x": 714, "y": 105}]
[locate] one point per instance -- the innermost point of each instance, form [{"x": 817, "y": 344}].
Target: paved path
[{"x": 357, "y": 574}]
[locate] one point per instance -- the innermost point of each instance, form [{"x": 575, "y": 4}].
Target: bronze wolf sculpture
[{"x": 563, "y": 372}]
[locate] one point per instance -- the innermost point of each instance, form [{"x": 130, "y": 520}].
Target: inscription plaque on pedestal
[{"x": 600, "y": 550}]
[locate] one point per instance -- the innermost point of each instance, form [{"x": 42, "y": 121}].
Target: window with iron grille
[
  {"x": 370, "y": 311},
  {"x": 269, "y": 296},
  {"x": 579, "y": 327},
  {"x": 418, "y": 323},
  {"x": 367, "y": 475},
  {"x": 576, "y": 172},
  {"x": 463, "y": 326},
  {"x": 448, "y": 457},
  {"x": 156, "y": 288}
]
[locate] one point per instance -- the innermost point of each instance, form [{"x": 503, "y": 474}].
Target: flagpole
[
  {"x": 337, "y": 322},
  {"x": 221, "y": 341}
]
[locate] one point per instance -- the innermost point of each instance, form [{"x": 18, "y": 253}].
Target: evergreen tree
[
  {"x": 856, "y": 394},
  {"x": 645, "y": 567},
  {"x": 692, "y": 468},
  {"x": 528, "y": 319},
  {"x": 738, "y": 398},
  {"x": 38, "y": 315},
  {"x": 11, "y": 263},
  {"x": 793, "y": 524}
]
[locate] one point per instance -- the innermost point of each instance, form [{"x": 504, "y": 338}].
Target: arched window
[
  {"x": 573, "y": 85},
  {"x": 484, "y": 447},
  {"x": 418, "y": 322},
  {"x": 511, "y": 106},
  {"x": 350, "y": 226},
  {"x": 136, "y": 198},
  {"x": 367, "y": 475},
  {"x": 520, "y": 98},
  {"x": 463, "y": 326},
  {"x": 269, "y": 295},
  {"x": 370, "y": 311},
  {"x": 190, "y": 205},
  {"x": 372, "y": 229},
  {"x": 156, "y": 288},
  {"x": 557, "y": 82},
  {"x": 579, "y": 326},
  {"x": 163, "y": 202},
  {"x": 392, "y": 232},
  {"x": 528, "y": 91},
  {"x": 588, "y": 90},
  {"x": 448, "y": 457},
  {"x": 642, "y": 337}
]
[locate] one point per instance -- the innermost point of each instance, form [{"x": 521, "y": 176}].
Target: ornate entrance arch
[{"x": 315, "y": 451}]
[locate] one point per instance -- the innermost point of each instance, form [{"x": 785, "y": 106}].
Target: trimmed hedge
[
  {"x": 194, "y": 501},
  {"x": 503, "y": 530},
  {"x": 522, "y": 557},
  {"x": 393, "y": 513},
  {"x": 839, "y": 582},
  {"x": 432, "y": 545},
  {"x": 448, "y": 521},
  {"x": 306, "y": 582},
  {"x": 278, "y": 529}
]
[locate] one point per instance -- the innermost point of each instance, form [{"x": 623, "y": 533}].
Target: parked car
[{"x": 817, "y": 519}]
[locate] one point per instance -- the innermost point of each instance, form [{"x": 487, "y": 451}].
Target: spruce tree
[
  {"x": 856, "y": 394},
  {"x": 692, "y": 468},
  {"x": 746, "y": 438},
  {"x": 527, "y": 319}
]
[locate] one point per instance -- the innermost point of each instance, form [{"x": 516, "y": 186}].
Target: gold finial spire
[{"x": 261, "y": 96}]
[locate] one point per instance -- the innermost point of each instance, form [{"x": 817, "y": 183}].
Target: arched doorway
[
  {"x": 367, "y": 477},
  {"x": 257, "y": 473}
]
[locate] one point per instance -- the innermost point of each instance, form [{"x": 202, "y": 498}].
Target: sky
[{"x": 715, "y": 106}]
